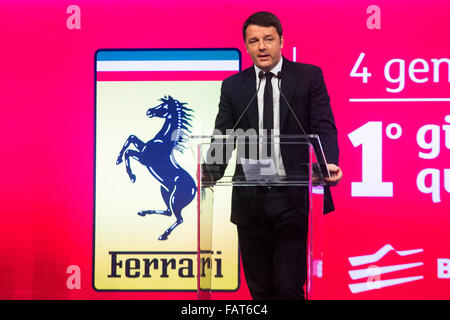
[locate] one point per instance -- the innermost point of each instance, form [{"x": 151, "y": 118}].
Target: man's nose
[{"x": 262, "y": 46}]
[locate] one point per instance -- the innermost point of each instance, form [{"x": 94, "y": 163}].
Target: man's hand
[
  {"x": 207, "y": 180},
  {"x": 336, "y": 175}
]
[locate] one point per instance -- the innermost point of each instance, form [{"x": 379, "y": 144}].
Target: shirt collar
[{"x": 274, "y": 70}]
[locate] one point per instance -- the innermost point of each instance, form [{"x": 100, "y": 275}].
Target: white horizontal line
[
  {"x": 371, "y": 258},
  {"x": 195, "y": 65},
  {"x": 408, "y": 252},
  {"x": 399, "y": 99},
  {"x": 371, "y": 285},
  {"x": 363, "y": 273}
]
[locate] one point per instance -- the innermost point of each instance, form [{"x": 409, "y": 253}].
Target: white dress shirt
[{"x": 276, "y": 114}]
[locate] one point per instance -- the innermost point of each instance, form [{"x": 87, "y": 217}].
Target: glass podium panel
[{"x": 249, "y": 161}]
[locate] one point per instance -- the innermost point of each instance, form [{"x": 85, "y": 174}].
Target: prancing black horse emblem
[{"x": 178, "y": 188}]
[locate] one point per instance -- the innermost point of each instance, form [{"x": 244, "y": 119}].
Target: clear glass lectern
[{"x": 240, "y": 160}]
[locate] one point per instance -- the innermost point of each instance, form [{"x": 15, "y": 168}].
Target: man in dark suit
[{"x": 272, "y": 222}]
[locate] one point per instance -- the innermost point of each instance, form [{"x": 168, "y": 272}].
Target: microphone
[
  {"x": 290, "y": 108},
  {"x": 323, "y": 169},
  {"x": 260, "y": 77},
  {"x": 215, "y": 172}
]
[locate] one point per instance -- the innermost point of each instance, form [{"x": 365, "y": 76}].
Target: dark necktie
[{"x": 268, "y": 111}]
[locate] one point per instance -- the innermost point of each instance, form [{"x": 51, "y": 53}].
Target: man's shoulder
[
  {"x": 249, "y": 73},
  {"x": 304, "y": 68},
  {"x": 240, "y": 76}
]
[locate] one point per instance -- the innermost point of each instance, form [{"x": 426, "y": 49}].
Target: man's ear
[{"x": 281, "y": 42}]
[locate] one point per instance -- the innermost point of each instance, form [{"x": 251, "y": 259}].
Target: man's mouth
[{"x": 263, "y": 56}]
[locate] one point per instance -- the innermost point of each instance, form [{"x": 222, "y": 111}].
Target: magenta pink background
[{"x": 47, "y": 130}]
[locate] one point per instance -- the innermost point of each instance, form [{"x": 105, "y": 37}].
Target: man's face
[{"x": 264, "y": 46}]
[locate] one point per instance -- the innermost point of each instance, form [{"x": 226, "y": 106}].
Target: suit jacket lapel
[
  {"x": 287, "y": 87},
  {"x": 249, "y": 90}
]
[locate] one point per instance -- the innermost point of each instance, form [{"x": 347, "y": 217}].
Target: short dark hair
[{"x": 263, "y": 19}]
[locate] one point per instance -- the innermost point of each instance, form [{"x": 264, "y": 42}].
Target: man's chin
[{"x": 265, "y": 65}]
